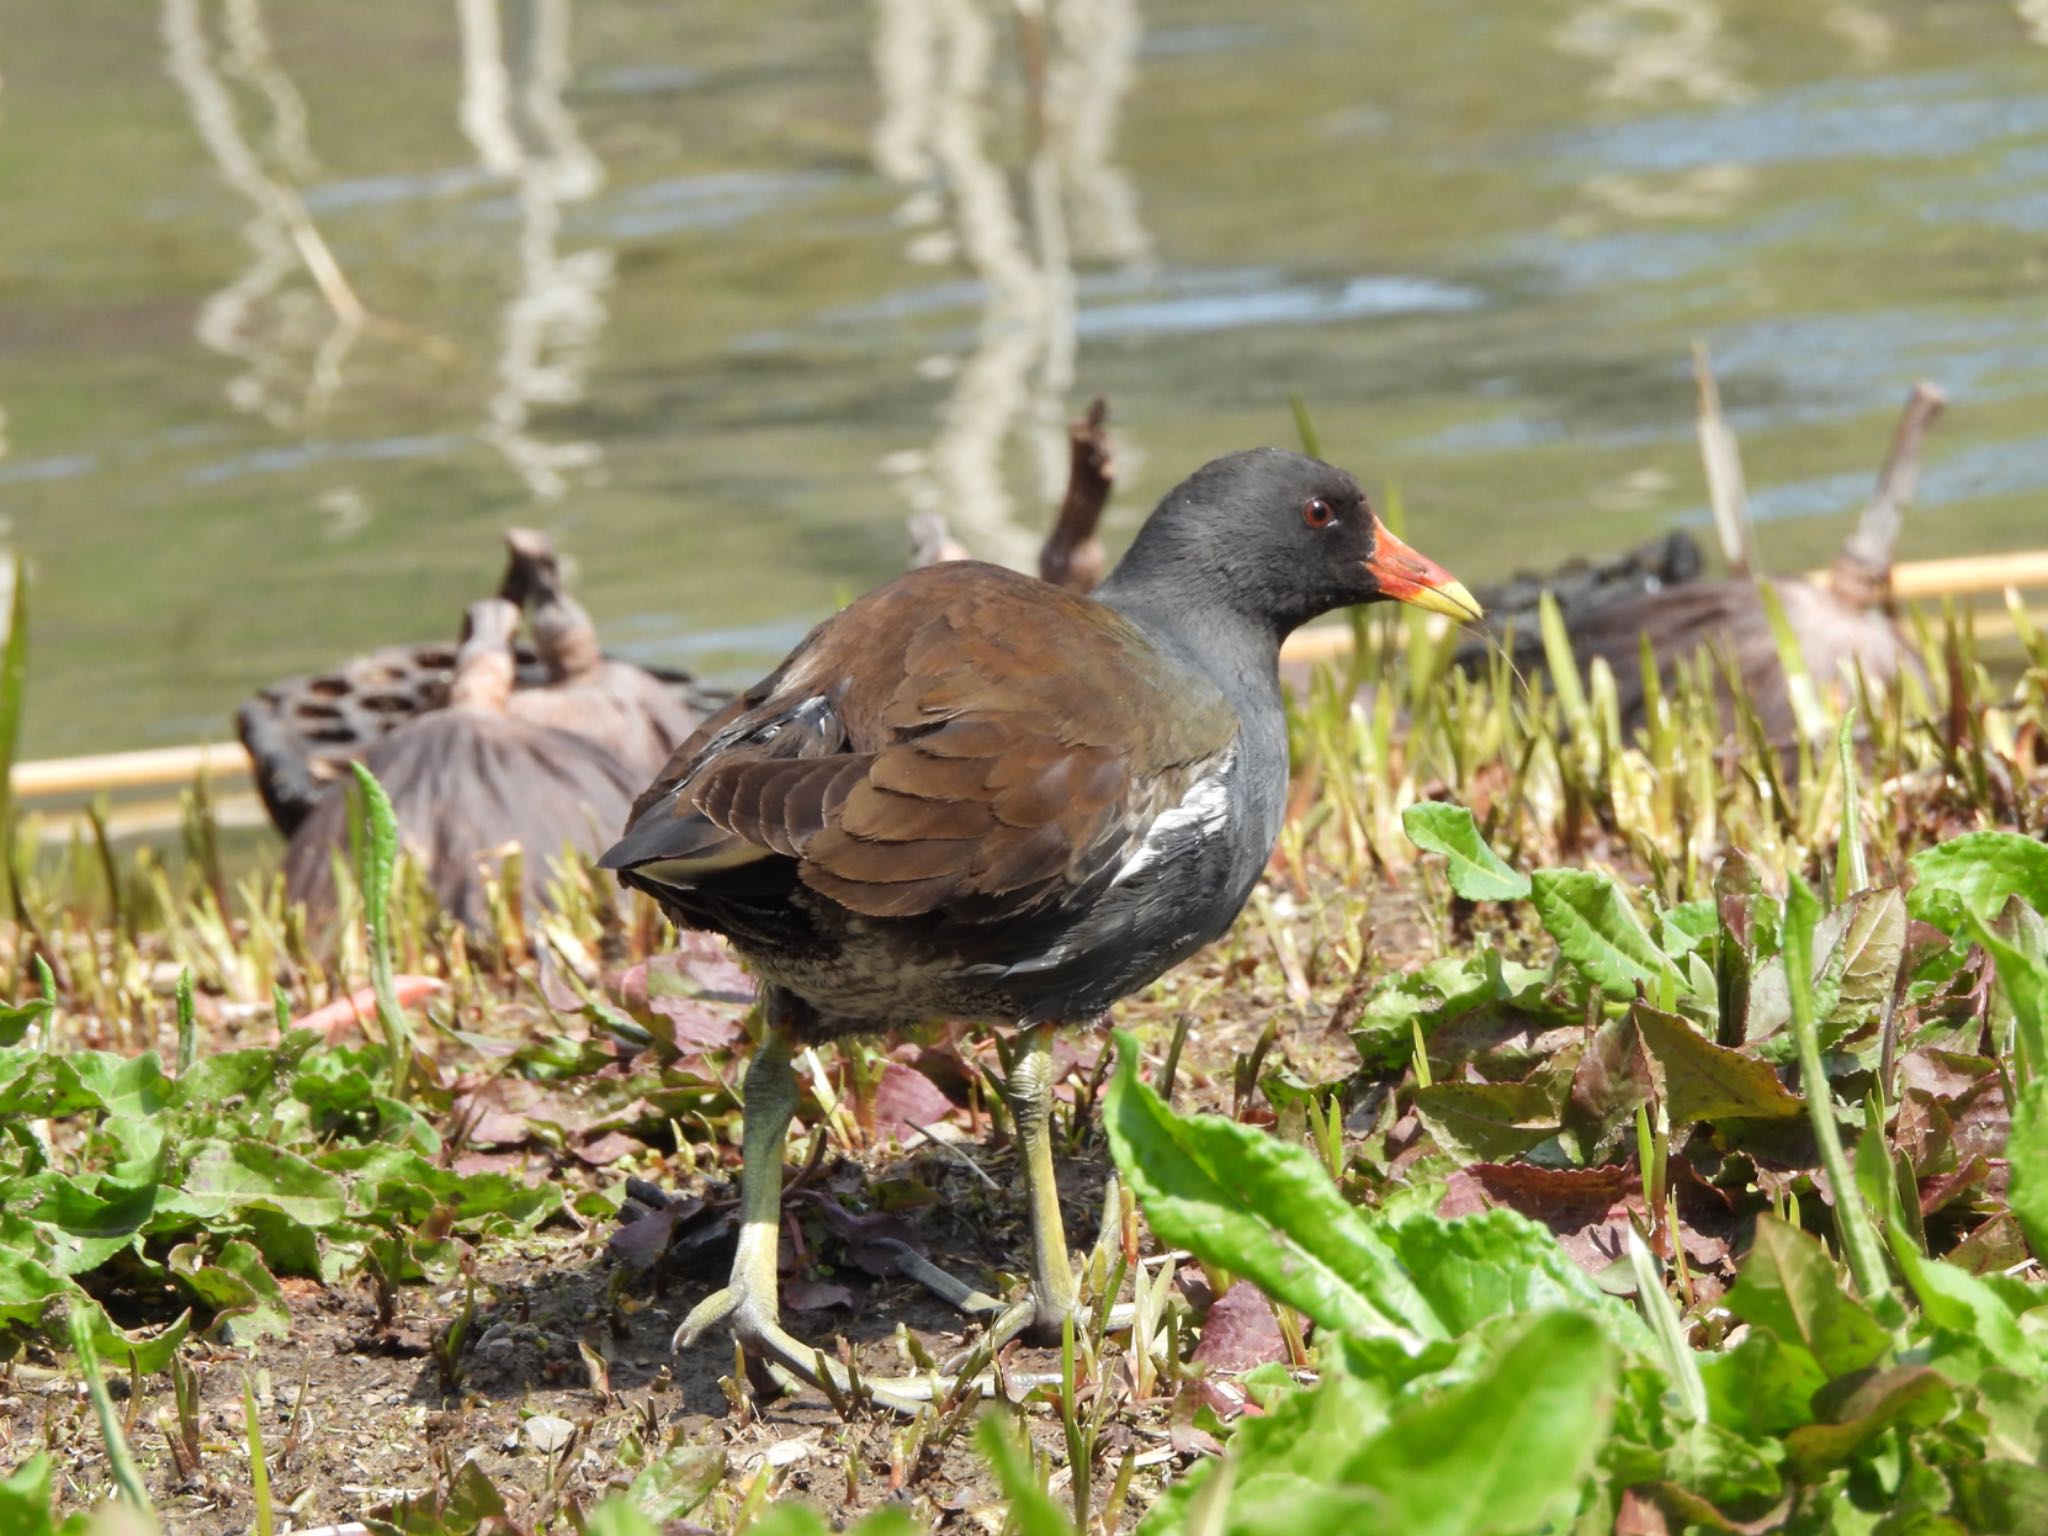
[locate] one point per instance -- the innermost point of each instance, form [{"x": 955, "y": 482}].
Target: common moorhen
[
  {"x": 468, "y": 781},
  {"x": 977, "y": 795}
]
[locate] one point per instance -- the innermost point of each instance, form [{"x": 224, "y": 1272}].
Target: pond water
[{"x": 301, "y": 304}]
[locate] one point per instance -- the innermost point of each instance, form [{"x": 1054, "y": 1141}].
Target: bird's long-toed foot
[{"x": 749, "y": 1304}]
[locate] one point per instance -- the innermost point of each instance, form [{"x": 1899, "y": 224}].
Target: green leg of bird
[
  {"x": 1053, "y": 1297},
  {"x": 750, "y": 1303}
]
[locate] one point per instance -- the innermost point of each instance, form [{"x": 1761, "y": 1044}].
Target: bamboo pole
[{"x": 225, "y": 762}]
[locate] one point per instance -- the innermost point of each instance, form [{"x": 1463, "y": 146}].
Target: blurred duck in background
[{"x": 470, "y": 782}]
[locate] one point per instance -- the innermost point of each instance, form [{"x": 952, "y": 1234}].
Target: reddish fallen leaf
[
  {"x": 1639, "y": 1516},
  {"x": 906, "y": 1101},
  {"x": 639, "y": 1244},
  {"x": 607, "y": 1149},
  {"x": 496, "y": 1128},
  {"x": 1240, "y": 1332},
  {"x": 335, "y": 1020},
  {"x": 815, "y": 1296}
]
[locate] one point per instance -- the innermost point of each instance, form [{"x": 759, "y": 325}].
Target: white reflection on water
[
  {"x": 1652, "y": 53},
  {"x": 935, "y": 64},
  {"x": 515, "y": 64},
  {"x": 2034, "y": 13},
  {"x": 292, "y": 340}
]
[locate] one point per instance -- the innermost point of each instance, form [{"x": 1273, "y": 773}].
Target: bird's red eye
[{"x": 1318, "y": 513}]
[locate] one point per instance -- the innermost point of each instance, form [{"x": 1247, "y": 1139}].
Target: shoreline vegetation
[{"x": 1577, "y": 1133}]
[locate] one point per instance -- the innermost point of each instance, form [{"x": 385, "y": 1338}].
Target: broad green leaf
[
  {"x": 1445, "y": 989},
  {"x": 1984, "y": 869},
  {"x": 1872, "y": 945},
  {"x": 617, "y": 1515},
  {"x": 26, "y": 1508},
  {"x": 123, "y": 1085},
  {"x": 1789, "y": 1285},
  {"x": 1487, "y": 1122},
  {"x": 139, "y": 1350},
  {"x": 1505, "y": 1452},
  {"x": 1761, "y": 1387},
  {"x": 2026, "y": 1150},
  {"x": 1953, "y": 1298},
  {"x": 1682, "y": 929},
  {"x": 17, "y": 1019},
  {"x": 1476, "y": 872},
  {"x": 1246, "y": 1202},
  {"x": 1283, "y": 1457},
  {"x": 2023, "y": 978},
  {"x": 675, "y": 1481},
  {"x": 2001, "y": 1496},
  {"x": 244, "y": 1297},
  {"x": 1704, "y": 1081},
  {"x": 26, "y": 1285},
  {"x": 1599, "y": 933},
  {"x": 226, "y": 1075},
  {"x": 786, "y": 1518},
  {"x": 222, "y": 1176},
  {"x": 1498, "y": 1262}
]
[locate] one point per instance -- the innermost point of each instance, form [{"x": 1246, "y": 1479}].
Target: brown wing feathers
[{"x": 1003, "y": 755}]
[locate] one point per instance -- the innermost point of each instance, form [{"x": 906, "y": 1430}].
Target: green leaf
[
  {"x": 244, "y": 1297},
  {"x": 1476, "y": 872},
  {"x": 1240, "y": 1199},
  {"x": 786, "y": 1518},
  {"x": 1984, "y": 869},
  {"x": 1499, "y": 1262},
  {"x": 140, "y": 1351},
  {"x": 1789, "y": 1285},
  {"x": 2001, "y": 1496},
  {"x": 1705, "y": 1081},
  {"x": 675, "y": 1481},
  {"x": 1598, "y": 932},
  {"x": 1285, "y": 1457},
  {"x": 25, "y": 1504},
  {"x": 1761, "y": 1387},
  {"x": 134, "y": 1086},
  {"x": 1505, "y": 1452},
  {"x": 1487, "y": 1122},
  {"x": 222, "y": 1176},
  {"x": 2023, "y": 978},
  {"x": 1953, "y": 1298},
  {"x": 226, "y": 1075},
  {"x": 2026, "y": 1150},
  {"x": 26, "y": 1286},
  {"x": 18, "y": 1019}
]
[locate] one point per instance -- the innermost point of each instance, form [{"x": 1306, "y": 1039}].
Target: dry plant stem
[
  {"x": 1072, "y": 555},
  {"x": 1723, "y": 460},
  {"x": 1862, "y": 572}
]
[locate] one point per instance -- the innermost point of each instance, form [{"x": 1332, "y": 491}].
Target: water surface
[{"x": 301, "y": 304}]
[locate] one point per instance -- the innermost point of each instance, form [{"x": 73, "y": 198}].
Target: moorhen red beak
[
  {"x": 1407, "y": 577},
  {"x": 976, "y": 795}
]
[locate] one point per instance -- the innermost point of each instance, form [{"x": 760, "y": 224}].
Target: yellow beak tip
[{"x": 1451, "y": 599}]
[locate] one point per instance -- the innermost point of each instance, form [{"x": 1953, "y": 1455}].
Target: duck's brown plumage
[
  {"x": 467, "y": 782},
  {"x": 622, "y": 707}
]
